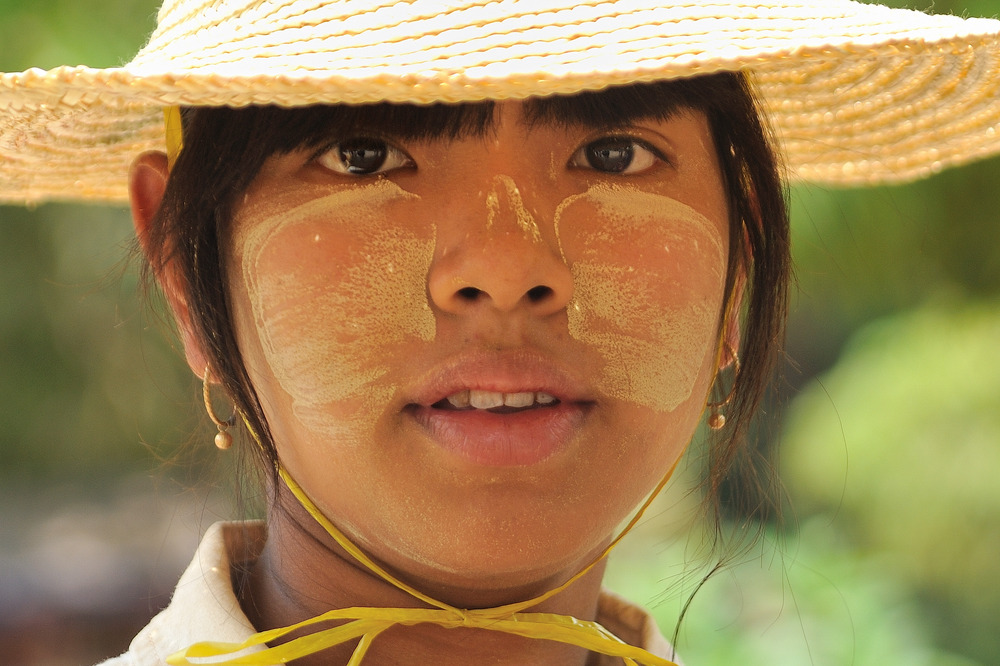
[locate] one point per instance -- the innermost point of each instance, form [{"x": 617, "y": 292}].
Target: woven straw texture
[{"x": 856, "y": 93}]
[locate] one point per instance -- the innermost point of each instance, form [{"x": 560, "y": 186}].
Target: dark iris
[
  {"x": 611, "y": 154},
  {"x": 363, "y": 155}
]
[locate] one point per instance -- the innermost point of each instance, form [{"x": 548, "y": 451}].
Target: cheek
[
  {"x": 335, "y": 288},
  {"x": 649, "y": 275}
]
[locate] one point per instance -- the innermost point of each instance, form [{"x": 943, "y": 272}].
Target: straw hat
[{"x": 856, "y": 93}]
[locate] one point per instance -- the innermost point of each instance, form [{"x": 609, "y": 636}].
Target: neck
[{"x": 302, "y": 572}]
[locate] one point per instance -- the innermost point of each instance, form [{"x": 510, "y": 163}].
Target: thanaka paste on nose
[{"x": 524, "y": 219}]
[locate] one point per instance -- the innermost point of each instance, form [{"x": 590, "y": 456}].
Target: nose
[{"x": 492, "y": 252}]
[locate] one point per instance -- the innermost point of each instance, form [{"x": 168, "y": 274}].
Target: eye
[
  {"x": 363, "y": 156},
  {"x": 616, "y": 154}
]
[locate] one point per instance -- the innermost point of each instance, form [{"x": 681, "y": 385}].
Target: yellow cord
[
  {"x": 367, "y": 623},
  {"x": 173, "y": 133}
]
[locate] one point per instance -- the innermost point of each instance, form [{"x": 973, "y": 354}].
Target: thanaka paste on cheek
[
  {"x": 335, "y": 287},
  {"x": 648, "y": 275}
]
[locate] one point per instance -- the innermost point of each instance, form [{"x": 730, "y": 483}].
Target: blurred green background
[{"x": 889, "y": 404}]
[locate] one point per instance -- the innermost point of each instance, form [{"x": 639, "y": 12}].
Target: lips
[{"x": 501, "y": 409}]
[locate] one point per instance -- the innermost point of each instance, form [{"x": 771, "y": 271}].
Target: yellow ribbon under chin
[{"x": 367, "y": 623}]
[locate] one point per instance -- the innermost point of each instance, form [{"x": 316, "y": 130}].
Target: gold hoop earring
[
  {"x": 716, "y": 419},
  {"x": 223, "y": 440}
]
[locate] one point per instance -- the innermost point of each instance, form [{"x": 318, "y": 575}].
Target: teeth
[
  {"x": 485, "y": 399},
  {"x": 460, "y": 399},
  {"x": 492, "y": 399},
  {"x": 518, "y": 399}
]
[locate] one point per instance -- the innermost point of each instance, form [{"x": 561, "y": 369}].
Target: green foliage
[
  {"x": 863, "y": 254},
  {"x": 83, "y": 383},
  {"x": 810, "y": 600},
  {"x": 987, "y": 8},
  {"x": 50, "y": 33},
  {"x": 901, "y": 442}
]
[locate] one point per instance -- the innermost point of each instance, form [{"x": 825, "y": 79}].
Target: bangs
[
  {"x": 623, "y": 105},
  {"x": 262, "y": 131}
]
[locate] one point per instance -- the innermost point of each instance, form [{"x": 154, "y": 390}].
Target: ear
[{"x": 146, "y": 184}]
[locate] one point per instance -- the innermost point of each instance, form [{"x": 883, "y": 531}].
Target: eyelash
[
  {"x": 583, "y": 158},
  {"x": 334, "y": 156}
]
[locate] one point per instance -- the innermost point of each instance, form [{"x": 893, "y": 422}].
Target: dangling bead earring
[
  {"x": 223, "y": 440},
  {"x": 716, "y": 419}
]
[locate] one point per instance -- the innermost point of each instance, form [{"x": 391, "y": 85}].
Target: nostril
[
  {"x": 469, "y": 293},
  {"x": 539, "y": 293}
]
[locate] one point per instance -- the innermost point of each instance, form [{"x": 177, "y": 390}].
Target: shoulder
[
  {"x": 204, "y": 605},
  {"x": 633, "y": 624}
]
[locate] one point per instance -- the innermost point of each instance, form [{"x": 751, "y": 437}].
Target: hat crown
[{"x": 424, "y": 40}]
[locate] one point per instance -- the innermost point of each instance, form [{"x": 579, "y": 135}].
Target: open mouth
[
  {"x": 496, "y": 402},
  {"x": 493, "y": 428}
]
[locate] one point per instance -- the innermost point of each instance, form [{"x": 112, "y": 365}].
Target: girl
[{"x": 471, "y": 275}]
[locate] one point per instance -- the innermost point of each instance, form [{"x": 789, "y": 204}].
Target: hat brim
[{"x": 857, "y": 94}]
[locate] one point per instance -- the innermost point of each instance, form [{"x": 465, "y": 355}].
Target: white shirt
[{"x": 204, "y": 606}]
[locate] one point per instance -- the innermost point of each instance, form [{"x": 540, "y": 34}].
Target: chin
[{"x": 519, "y": 549}]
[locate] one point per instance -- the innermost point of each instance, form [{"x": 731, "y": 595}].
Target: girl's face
[{"x": 478, "y": 355}]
